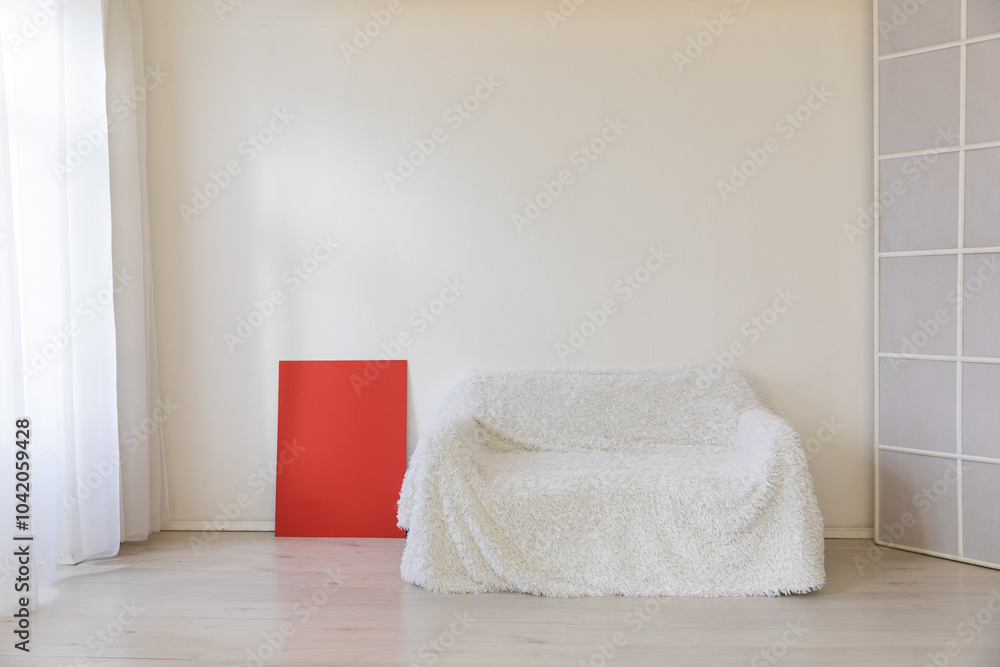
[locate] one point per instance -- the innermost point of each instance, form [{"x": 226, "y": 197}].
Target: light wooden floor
[{"x": 215, "y": 607}]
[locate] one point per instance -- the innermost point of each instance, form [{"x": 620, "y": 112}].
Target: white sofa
[{"x": 613, "y": 482}]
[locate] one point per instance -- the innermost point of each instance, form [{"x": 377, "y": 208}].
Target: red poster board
[{"x": 341, "y": 448}]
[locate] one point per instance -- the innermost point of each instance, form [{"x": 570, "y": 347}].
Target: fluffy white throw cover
[{"x": 617, "y": 482}]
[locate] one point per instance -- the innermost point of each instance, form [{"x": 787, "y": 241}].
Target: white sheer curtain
[
  {"x": 142, "y": 413},
  {"x": 74, "y": 249}
]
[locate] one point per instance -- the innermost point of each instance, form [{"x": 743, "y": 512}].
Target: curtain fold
[
  {"x": 142, "y": 413},
  {"x": 61, "y": 221},
  {"x": 11, "y": 381}
]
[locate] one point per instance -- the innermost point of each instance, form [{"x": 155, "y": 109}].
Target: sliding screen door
[{"x": 937, "y": 297}]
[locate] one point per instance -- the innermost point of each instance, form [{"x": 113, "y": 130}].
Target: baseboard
[
  {"x": 229, "y": 527},
  {"x": 830, "y": 532},
  {"x": 836, "y": 533}
]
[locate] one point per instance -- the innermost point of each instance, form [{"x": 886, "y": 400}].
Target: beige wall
[{"x": 672, "y": 131}]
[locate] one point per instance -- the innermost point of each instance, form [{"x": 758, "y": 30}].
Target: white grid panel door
[{"x": 937, "y": 286}]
